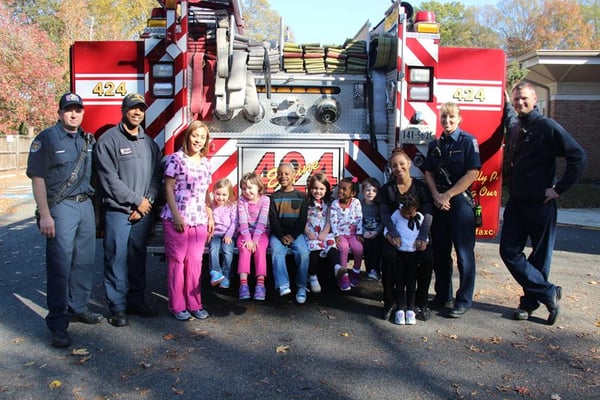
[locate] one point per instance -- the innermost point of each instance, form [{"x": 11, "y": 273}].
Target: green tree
[
  {"x": 514, "y": 74},
  {"x": 459, "y": 25},
  {"x": 261, "y": 22}
]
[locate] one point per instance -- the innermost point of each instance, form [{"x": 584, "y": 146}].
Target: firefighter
[
  {"x": 534, "y": 144},
  {"x": 60, "y": 168},
  {"x": 451, "y": 166},
  {"x": 129, "y": 173}
]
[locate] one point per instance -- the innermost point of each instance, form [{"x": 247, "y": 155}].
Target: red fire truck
[{"x": 336, "y": 109}]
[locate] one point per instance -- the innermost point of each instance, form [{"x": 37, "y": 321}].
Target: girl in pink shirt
[
  {"x": 224, "y": 209},
  {"x": 253, "y": 238},
  {"x": 345, "y": 218},
  {"x": 187, "y": 220}
]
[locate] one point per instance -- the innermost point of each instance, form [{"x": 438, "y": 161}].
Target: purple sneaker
[
  {"x": 244, "y": 292},
  {"x": 260, "y": 292},
  {"x": 354, "y": 278},
  {"x": 344, "y": 283}
]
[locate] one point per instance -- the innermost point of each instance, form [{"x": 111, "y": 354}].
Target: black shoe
[
  {"x": 457, "y": 312},
  {"x": 87, "y": 317},
  {"x": 521, "y": 314},
  {"x": 423, "y": 313},
  {"x": 61, "y": 339},
  {"x": 553, "y": 306},
  {"x": 118, "y": 319},
  {"x": 438, "y": 305},
  {"x": 142, "y": 310},
  {"x": 387, "y": 313}
]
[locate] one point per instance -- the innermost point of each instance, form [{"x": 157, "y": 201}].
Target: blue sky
[{"x": 332, "y": 21}]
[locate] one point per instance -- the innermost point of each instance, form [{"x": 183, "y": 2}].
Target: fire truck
[{"x": 338, "y": 109}]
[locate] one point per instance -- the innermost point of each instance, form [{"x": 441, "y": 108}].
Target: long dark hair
[{"x": 322, "y": 179}]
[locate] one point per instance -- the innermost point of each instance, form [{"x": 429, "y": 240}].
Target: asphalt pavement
[{"x": 333, "y": 347}]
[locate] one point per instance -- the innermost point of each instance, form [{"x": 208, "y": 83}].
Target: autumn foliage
[
  {"x": 31, "y": 74},
  {"x": 36, "y": 36}
]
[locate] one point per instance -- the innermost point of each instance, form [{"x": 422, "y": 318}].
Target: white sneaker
[
  {"x": 315, "y": 287},
  {"x": 411, "y": 318},
  {"x": 399, "y": 318},
  {"x": 301, "y": 296},
  {"x": 373, "y": 275},
  {"x": 284, "y": 290}
]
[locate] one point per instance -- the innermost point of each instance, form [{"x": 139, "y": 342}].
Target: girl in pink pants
[
  {"x": 345, "y": 218},
  {"x": 187, "y": 221}
]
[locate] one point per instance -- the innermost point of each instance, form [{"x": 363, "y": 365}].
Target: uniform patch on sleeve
[
  {"x": 35, "y": 146},
  {"x": 476, "y": 145}
]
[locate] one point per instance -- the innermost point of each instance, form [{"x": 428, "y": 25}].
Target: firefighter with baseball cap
[
  {"x": 129, "y": 176},
  {"x": 60, "y": 168}
]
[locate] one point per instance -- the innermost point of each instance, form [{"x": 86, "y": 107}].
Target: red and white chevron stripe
[{"x": 166, "y": 118}]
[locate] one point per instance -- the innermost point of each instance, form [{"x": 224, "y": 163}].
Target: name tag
[
  {"x": 59, "y": 151},
  {"x": 126, "y": 151}
]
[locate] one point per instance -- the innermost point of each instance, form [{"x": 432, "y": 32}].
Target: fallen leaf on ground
[
  {"x": 55, "y": 384},
  {"x": 168, "y": 336},
  {"x": 84, "y": 359},
  {"x": 345, "y": 334},
  {"x": 80, "y": 352},
  {"x": 521, "y": 389},
  {"x": 282, "y": 349},
  {"x": 475, "y": 349},
  {"x": 18, "y": 340},
  {"x": 178, "y": 391}
]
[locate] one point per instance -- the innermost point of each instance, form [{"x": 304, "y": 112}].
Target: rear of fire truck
[{"x": 337, "y": 109}]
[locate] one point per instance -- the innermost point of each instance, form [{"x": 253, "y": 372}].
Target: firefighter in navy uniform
[
  {"x": 60, "y": 168},
  {"x": 534, "y": 143},
  {"x": 129, "y": 177},
  {"x": 451, "y": 166}
]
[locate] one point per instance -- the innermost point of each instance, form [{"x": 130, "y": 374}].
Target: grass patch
[{"x": 580, "y": 195}]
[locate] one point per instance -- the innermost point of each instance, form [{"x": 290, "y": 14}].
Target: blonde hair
[
  {"x": 449, "y": 107},
  {"x": 225, "y": 183},
  {"x": 191, "y": 128},
  {"x": 253, "y": 179}
]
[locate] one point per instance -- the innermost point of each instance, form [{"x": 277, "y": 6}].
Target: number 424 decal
[
  {"x": 469, "y": 94},
  {"x": 110, "y": 89}
]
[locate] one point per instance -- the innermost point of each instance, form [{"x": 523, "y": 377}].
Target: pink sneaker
[{"x": 344, "y": 283}]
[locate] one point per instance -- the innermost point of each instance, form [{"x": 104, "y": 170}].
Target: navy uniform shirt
[
  {"x": 459, "y": 154},
  {"x": 53, "y": 156},
  {"x": 533, "y": 168},
  {"x": 129, "y": 168}
]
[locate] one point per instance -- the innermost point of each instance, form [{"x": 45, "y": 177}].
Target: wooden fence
[{"x": 14, "y": 150}]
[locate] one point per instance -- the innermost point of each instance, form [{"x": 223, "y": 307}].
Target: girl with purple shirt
[
  {"x": 253, "y": 238},
  {"x": 221, "y": 244},
  {"x": 187, "y": 221}
]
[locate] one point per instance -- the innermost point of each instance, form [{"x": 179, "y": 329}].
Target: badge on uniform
[
  {"x": 125, "y": 151},
  {"x": 35, "y": 146},
  {"x": 475, "y": 145}
]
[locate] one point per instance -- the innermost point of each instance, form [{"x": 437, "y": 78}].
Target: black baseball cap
[
  {"x": 132, "y": 100},
  {"x": 69, "y": 99}
]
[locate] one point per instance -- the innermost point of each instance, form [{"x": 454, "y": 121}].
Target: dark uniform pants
[
  {"x": 125, "y": 259},
  {"x": 538, "y": 223},
  {"x": 70, "y": 259},
  {"x": 454, "y": 227}
]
